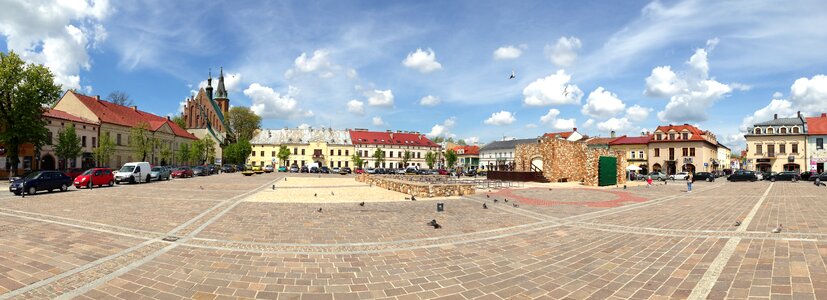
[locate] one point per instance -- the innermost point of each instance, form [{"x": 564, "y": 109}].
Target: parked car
[
  {"x": 360, "y": 171},
  {"x": 808, "y": 176},
  {"x": 73, "y": 172},
  {"x": 95, "y": 177},
  {"x": 342, "y": 171},
  {"x": 370, "y": 171},
  {"x": 657, "y": 176},
  {"x": 159, "y": 173},
  {"x": 381, "y": 171},
  {"x": 282, "y": 169},
  {"x": 785, "y": 176},
  {"x": 240, "y": 167},
  {"x": 41, "y": 181},
  {"x": 294, "y": 169},
  {"x": 228, "y": 168},
  {"x": 325, "y": 170},
  {"x": 679, "y": 176},
  {"x": 133, "y": 172},
  {"x": 304, "y": 169},
  {"x": 200, "y": 171},
  {"x": 268, "y": 169},
  {"x": 347, "y": 170},
  {"x": 443, "y": 172},
  {"x": 759, "y": 175},
  {"x": 257, "y": 169},
  {"x": 704, "y": 176},
  {"x": 181, "y": 172},
  {"x": 742, "y": 175},
  {"x": 335, "y": 170},
  {"x": 212, "y": 168},
  {"x": 248, "y": 171},
  {"x": 314, "y": 169},
  {"x": 423, "y": 172}
]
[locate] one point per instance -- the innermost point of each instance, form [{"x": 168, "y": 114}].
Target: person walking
[
  {"x": 689, "y": 180},
  {"x": 648, "y": 181}
]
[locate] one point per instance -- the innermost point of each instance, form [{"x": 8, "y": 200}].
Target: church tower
[{"x": 221, "y": 94}]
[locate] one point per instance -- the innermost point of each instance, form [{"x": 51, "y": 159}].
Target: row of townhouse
[{"x": 787, "y": 144}]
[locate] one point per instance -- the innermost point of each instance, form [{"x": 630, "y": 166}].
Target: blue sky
[{"x": 442, "y": 67}]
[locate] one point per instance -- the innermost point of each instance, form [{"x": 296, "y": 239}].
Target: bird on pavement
[
  {"x": 505, "y": 200},
  {"x": 515, "y": 204},
  {"x": 362, "y": 203},
  {"x": 434, "y": 224},
  {"x": 487, "y": 196},
  {"x": 484, "y": 206},
  {"x": 201, "y": 187},
  {"x": 495, "y": 200},
  {"x": 513, "y": 75},
  {"x": 320, "y": 209},
  {"x": 737, "y": 223},
  {"x": 332, "y": 194},
  {"x": 778, "y": 229},
  {"x": 314, "y": 195}
]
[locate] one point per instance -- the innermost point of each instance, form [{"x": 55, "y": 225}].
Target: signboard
[
  {"x": 217, "y": 161},
  {"x": 706, "y": 164},
  {"x": 762, "y": 160},
  {"x": 791, "y": 158},
  {"x": 687, "y": 160}
]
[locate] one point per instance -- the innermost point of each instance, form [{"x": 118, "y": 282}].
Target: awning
[{"x": 632, "y": 168}]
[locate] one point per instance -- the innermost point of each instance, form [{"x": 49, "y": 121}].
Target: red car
[
  {"x": 181, "y": 172},
  {"x": 443, "y": 172},
  {"x": 95, "y": 177},
  {"x": 359, "y": 171},
  {"x": 73, "y": 172}
]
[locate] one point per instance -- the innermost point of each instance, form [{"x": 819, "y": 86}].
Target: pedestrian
[
  {"x": 648, "y": 181},
  {"x": 689, "y": 180}
]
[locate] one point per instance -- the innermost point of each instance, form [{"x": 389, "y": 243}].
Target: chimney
[
  {"x": 134, "y": 107},
  {"x": 824, "y": 115},
  {"x": 799, "y": 114},
  {"x": 169, "y": 118},
  {"x": 574, "y": 129},
  {"x": 98, "y": 97},
  {"x": 775, "y": 116},
  {"x": 612, "y": 134}
]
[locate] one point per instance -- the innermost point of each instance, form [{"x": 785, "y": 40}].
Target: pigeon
[
  {"x": 274, "y": 187},
  {"x": 413, "y": 198},
  {"x": 778, "y": 229},
  {"x": 505, "y": 200},
  {"x": 362, "y": 203},
  {"x": 495, "y": 200},
  {"x": 437, "y": 226},
  {"x": 484, "y": 206},
  {"x": 201, "y": 187},
  {"x": 332, "y": 194},
  {"x": 513, "y": 75},
  {"x": 549, "y": 189},
  {"x": 624, "y": 186},
  {"x": 314, "y": 195},
  {"x": 320, "y": 209},
  {"x": 515, "y": 204},
  {"x": 487, "y": 196},
  {"x": 737, "y": 223},
  {"x": 434, "y": 224}
]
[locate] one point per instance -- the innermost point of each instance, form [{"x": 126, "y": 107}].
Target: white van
[{"x": 134, "y": 172}]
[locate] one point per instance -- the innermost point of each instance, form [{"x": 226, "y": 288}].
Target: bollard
[{"x": 440, "y": 206}]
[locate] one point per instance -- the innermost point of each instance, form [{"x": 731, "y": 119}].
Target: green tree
[
  {"x": 284, "y": 155},
  {"x": 438, "y": 139},
  {"x": 450, "y": 158},
  {"x": 183, "y": 155},
  {"x": 244, "y": 150},
  {"x": 230, "y": 154},
  {"x": 197, "y": 152},
  {"x": 119, "y": 98},
  {"x": 357, "y": 160},
  {"x": 166, "y": 153},
  {"x": 243, "y": 122},
  {"x": 379, "y": 155},
  {"x": 430, "y": 159},
  {"x": 461, "y": 142},
  {"x": 209, "y": 149},
  {"x": 68, "y": 144},
  {"x": 25, "y": 89},
  {"x": 140, "y": 141},
  {"x": 406, "y": 156},
  {"x": 179, "y": 120},
  {"x": 104, "y": 150}
]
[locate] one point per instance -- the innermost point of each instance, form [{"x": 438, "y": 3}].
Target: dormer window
[
  {"x": 685, "y": 136},
  {"x": 757, "y": 130},
  {"x": 770, "y": 130},
  {"x": 671, "y": 136},
  {"x": 795, "y": 129},
  {"x": 658, "y": 137},
  {"x": 783, "y": 130}
]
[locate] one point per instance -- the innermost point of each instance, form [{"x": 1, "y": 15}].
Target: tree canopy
[
  {"x": 430, "y": 159},
  {"x": 243, "y": 122},
  {"x": 379, "y": 155},
  {"x": 284, "y": 155},
  {"x": 68, "y": 143},
  {"x": 140, "y": 141},
  {"x": 179, "y": 120},
  {"x": 450, "y": 158},
  {"x": 119, "y": 98},
  {"x": 104, "y": 150}
]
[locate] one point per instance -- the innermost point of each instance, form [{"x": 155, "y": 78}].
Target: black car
[
  {"x": 41, "y": 181},
  {"x": 325, "y": 170},
  {"x": 706, "y": 176},
  {"x": 200, "y": 171},
  {"x": 380, "y": 171},
  {"x": 743, "y": 176},
  {"x": 346, "y": 170},
  {"x": 227, "y": 168},
  {"x": 808, "y": 176},
  {"x": 814, "y": 175},
  {"x": 785, "y": 176},
  {"x": 304, "y": 169},
  {"x": 240, "y": 168},
  {"x": 213, "y": 169},
  {"x": 314, "y": 169}
]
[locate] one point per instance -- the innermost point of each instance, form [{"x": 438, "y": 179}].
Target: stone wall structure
[
  {"x": 417, "y": 188},
  {"x": 564, "y": 161}
]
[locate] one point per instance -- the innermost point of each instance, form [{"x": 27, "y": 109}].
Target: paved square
[{"x": 231, "y": 237}]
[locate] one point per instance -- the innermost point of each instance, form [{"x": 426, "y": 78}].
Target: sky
[{"x": 442, "y": 67}]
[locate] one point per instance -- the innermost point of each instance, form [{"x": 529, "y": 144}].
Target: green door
[{"x": 607, "y": 171}]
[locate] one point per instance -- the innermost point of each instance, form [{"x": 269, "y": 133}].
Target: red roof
[
  {"x": 467, "y": 150},
  {"x": 59, "y": 114},
  {"x": 564, "y": 135},
  {"x": 817, "y": 125},
  {"x": 364, "y": 137},
  {"x": 696, "y": 134},
  {"x": 631, "y": 140},
  {"x": 127, "y": 116},
  {"x": 600, "y": 141}
]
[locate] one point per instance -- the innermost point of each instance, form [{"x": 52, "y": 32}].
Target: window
[
  {"x": 684, "y": 136},
  {"x": 273, "y": 153},
  {"x": 783, "y": 130},
  {"x": 671, "y": 136},
  {"x": 782, "y": 148},
  {"x": 770, "y": 130},
  {"x": 757, "y": 131},
  {"x": 692, "y": 151},
  {"x": 253, "y": 153},
  {"x": 83, "y": 141},
  {"x": 94, "y": 142},
  {"x": 819, "y": 144},
  {"x": 640, "y": 154},
  {"x": 657, "y": 152},
  {"x": 795, "y": 148},
  {"x": 302, "y": 163},
  {"x": 685, "y": 151},
  {"x": 758, "y": 149},
  {"x": 302, "y": 151},
  {"x": 771, "y": 150},
  {"x": 295, "y": 151},
  {"x": 391, "y": 153},
  {"x": 262, "y": 153},
  {"x": 340, "y": 152},
  {"x": 347, "y": 153},
  {"x": 331, "y": 152},
  {"x": 658, "y": 137},
  {"x": 118, "y": 139},
  {"x": 632, "y": 154},
  {"x": 49, "y": 137},
  {"x": 795, "y": 129}
]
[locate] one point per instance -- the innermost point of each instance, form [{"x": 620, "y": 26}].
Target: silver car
[{"x": 159, "y": 173}]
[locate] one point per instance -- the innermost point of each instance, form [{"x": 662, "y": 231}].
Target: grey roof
[
  {"x": 301, "y": 136},
  {"x": 511, "y": 144},
  {"x": 781, "y": 121}
]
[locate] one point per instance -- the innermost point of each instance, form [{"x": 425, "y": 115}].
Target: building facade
[
  {"x": 723, "y": 161},
  {"x": 322, "y": 146},
  {"x": 394, "y": 145},
  {"x": 117, "y": 121},
  {"x": 468, "y": 157},
  {"x": 777, "y": 145},
  {"x": 205, "y": 114},
  {"x": 571, "y": 136},
  {"x": 499, "y": 155},
  {"x": 682, "y": 148},
  {"x": 635, "y": 148},
  {"x": 816, "y": 137},
  {"x": 87, "y": 132}
]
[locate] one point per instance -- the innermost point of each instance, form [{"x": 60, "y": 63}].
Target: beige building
[
  {"x": 394, "y": 145},
  {"x": 323, "y": 146},
  {"x": 87, "y": 132},
  {"x": 682, "y": 148},
  {"x": 777, "y": 145},
  {"x": 117, "y": 121},
  {"x": 636, "y": 150}
]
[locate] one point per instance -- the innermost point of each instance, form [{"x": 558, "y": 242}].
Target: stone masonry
[
  {"x": 567, "y": 161},
  {"x": 418, "y": 189}
]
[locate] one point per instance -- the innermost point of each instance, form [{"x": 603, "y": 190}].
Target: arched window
[
  {"x": 783, "y": 130},
  {"x": 795, "y": 129},
  {"x": 757, "y": 130},
  {"x": 770, "y": 130}
]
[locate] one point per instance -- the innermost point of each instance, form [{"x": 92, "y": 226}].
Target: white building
[
  {"x": 500, "y": 153},
  {"x": 722, "y": 161}
]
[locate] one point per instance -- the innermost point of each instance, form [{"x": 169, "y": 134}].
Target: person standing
[{"x": 689, "y": 180}]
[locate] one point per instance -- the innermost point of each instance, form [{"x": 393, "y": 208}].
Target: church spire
[
  {"x": 221, "y": 92},
  {"x": 209, "y": 85}
]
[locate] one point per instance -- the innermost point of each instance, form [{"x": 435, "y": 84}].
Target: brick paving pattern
[{"x": 612, "y": 243}]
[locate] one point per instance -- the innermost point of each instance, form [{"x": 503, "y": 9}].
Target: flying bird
[
  {"x": 513, "y": 75},
  {"x": 566, "y": 91},
  {"x": 778, "y": 229}
]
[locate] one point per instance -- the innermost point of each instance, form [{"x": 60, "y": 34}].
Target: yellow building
[
  {"x": 682, "y": 148},
  {"x": 323, "y": 146},
  {"x": 777, "y": 145},
  {"x": 636, "y": 149}
]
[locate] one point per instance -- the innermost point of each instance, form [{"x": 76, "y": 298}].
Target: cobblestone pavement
[{"x": 206, "y": 238}]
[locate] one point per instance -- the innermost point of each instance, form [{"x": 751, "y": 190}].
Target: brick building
[{"x": 205, "y": 114}]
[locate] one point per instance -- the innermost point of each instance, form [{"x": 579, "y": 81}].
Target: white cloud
[
  {"x": 356, "y": 107},
  {"x": 57, "y": 34},
  {"x": 550, "y": 116},
  {"x": 690, "y": 94},
  {"x": 588, "y": 124},
  {"x": 501, "y": 118},
  {"x": 383, "y": 98},
  {"x": 424, "y": 61},
  {"x": 268, "y": 103},
  {"x": 552, "y": 90},
  {"x": 602, "y": 103},
  {"x": 507, "y": 52},
  {"x": 443, "y": 129},
  {"x": 472, "y": 140},
  {"x": 430, "y": 101},
  {"x": 531, "y": 125},
  {"x": 619, "y": 125},
  {"x": 304, "y": 126},
  {"x": 564, "y": 52},
  {"x": 809, "y": 94},
  {"x": 777, "y": 95},
  {"x": 784, "y": 108},
  {"x": 319, "y": 63},
  {"x": 564, "y": 124},
  {"x": 377, "y": 121},
  {"x": 735, "y": 142},
  {"x": 637, "y": 113},
  {"x": 182, "y": 105}
]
